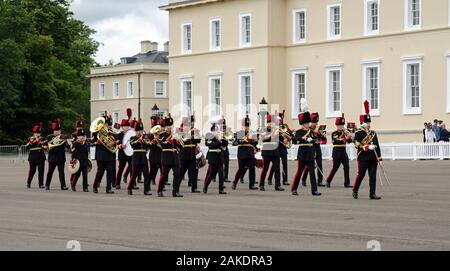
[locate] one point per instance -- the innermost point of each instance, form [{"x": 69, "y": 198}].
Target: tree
[{"x": 45, "y": 55}]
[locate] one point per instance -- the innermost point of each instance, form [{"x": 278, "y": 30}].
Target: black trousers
[
  {"x": 154, "y": 167},
  {"x": 102, "y": 167},
  {"x": 141, "y": 168},
  {"x": 165, "y": 170},
  {"x": 32, "y": 167},
  {"x": 363, "y": 167},
  {"x": 51, "y": 169},
  {"x": 226, "y": 166},
  {"x": 284, "y": 173},
  {"x": 319, "y": 171},
  {"x": 189, "y": 166},
  {"x": 336, "y": 164},
  {"x": 243, "y": 166},
  {"x": 213, "y": 171},
  {"x": 301, "y": 166},
  {"x": 267, "y": 160},
  {"x": 124, "y": 168},
  {"x": 74, "y": 178}
]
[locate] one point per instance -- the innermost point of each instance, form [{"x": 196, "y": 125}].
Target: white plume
[{"x": 304, "y": 105}]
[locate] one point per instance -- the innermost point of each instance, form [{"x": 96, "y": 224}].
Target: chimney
[
  {"x": 148, "y": 46},
  {"x": 166, "y": 47}
]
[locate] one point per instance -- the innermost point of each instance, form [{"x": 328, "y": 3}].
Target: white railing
[{"x": 390, "y": 151}]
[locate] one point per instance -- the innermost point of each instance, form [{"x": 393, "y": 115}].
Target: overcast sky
[{"x": 122, "y": 24}]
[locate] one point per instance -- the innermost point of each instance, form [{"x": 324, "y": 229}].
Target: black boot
[
  {"x": 374, "y": 197},
  {"x": 348, "y": 186},
  {"x": 269, "y": 182},
  {"x": 177, "y": 195},
  {"x": 294, "y": 193},
  {"x": 221, "y": 192},
  {"x": 280, "y": 189},
  {"x": 64, "y": 188},
  {"x": 320, "y": 184},
  {"x": 147, "y": 193},
  {"x": 130, "y": 192},
  {"x": 160, "y": 195},
  {"x": 95, "y": 190},
  {"x": 85, "y": 190},
  {"x": 41, "y": 186},
  {"x": 304, "y": 184},
  {"x": 316, "y": 194},
  {"x": 286, "y": 183},
  {"x": 109, "y": 191},
  {"x": 328, "y": 184},
  {"x": 355, "y": 195},
  {"x": 74, "y": 189},
  {"x": 253, "y": 188},
  {"x": 242, "y": 180},
  {"x": 261, "y": 188},
  {"x": 205, "y": 190},
  {"x": 233, "y": 186},
  {"x": 28, "y": 185},
  {"x": 118, "y": 187},
  {"x": 47, "y": 188},
  {"x": 195, "y": 191}
]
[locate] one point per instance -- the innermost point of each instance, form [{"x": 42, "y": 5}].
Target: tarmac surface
[{"x": 413, "y": 215}]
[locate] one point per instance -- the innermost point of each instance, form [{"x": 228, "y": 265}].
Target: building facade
[
  {"x": 138, "y": 82},
  {"x": 336, "y": 53}
]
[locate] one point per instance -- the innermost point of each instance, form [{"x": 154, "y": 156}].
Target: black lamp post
[{"x": 155, "y": 110}]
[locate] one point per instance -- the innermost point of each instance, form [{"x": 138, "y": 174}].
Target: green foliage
[{"x": 45, "y": 55}]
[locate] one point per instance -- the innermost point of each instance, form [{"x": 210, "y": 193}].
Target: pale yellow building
[
  {"x": 138, "y": 82},
  {"x": 230, "y": 53}
]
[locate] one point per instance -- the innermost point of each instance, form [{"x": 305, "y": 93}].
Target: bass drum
[
  {"x": 259, "y": 160},
  {"x": 128, "y": 150}
]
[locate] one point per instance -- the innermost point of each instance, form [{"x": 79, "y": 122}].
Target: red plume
[
  {"x": 343, "y": 115},
  {"x": 41, "y": 124},
  {"x": 269, "y": 118},
  {"x": 367, "y": 107},
  {"x": 58, "y": 120},
  {"x": 129, "y": 113}
]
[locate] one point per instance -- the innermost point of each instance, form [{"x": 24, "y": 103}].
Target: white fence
[{"x": 391, "y": 151}]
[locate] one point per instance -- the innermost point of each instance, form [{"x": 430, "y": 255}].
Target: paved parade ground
[{"x": 413, "y": 215}]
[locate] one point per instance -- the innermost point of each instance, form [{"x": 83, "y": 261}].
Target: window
[
  {"x": 334, "y": 91},
  {"x": 215, "y": 34},
  {"x": 371, "y": 86},
  {"x": 116, "y": 90},
  {"x": 412, "y": 72},
  {"x": 299, "y": 25},
  {"x": 186, "y": 39},
  {"x": 372, "y": 17},
  {"x": 413, "y": 15},
  {"x": 186, "y": 96},
  {"x": 160, "y": 88},
  {"x": 245, "y": 94},
  {"x": 245, "y": 30},
  {"x": 448, "y": 83},
  {"x": 101, "y": 91},
  {"x": 115, "y": 117},
  {"x": 334, "y": 22},
  {"x": 215, "y": 87},
  {"x": 130, "y": 90},
  {"x": 298, "y": 90}
]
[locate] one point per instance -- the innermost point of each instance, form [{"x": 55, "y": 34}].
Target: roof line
[{"x": 186, "y": 3}]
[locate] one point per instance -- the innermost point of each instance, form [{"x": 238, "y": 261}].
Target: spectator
[
  {"x": 430, "y": 137},
  {"x": 444, "y": 134},
  {"x": 436, "y": 129},
  {"x": 423, "y": 132}
]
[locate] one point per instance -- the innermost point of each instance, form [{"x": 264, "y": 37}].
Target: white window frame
[
  {"x": 330, "y": 113},
  {"x": 185, "y": 110},
  {"x": 114, "y": 114},
  {"x": 448, "y": 83},
  {"x": 296, "y": 30},
  {"x": 368, "y": 31},
  {"x": 330, "y": 27},
  {"x": 448, "y": 12},
  {"x": 213, "y": 35},
  {"x": 184, "y": 45},
  {"x": 130, "y": 92},
  {"x": 101, "y": 87},
  {"x": 407, "y": 110},
  {"x": 212, "y": 99},
  {"x": 164, "y": 95},
  {"x": 365, "y": 86},
  {"x": 242, "y": 43},
  {"x": 242, "y": 112},
  {"x": 100, "y": 113},
  {"x": 114, "y": 90},
  {"x": 408, "y": 17},
  {"x": 295, "y": 105}
]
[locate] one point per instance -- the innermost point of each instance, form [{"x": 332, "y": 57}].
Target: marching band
[{"x": 165, "y": 150}]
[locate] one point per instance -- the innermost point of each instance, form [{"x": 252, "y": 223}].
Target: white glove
[
  {"x": 372, "y": 147},
  {"x": 309, "y": 140}
]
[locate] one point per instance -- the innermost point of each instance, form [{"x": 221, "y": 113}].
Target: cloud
[{"x": 122, "y": 24}]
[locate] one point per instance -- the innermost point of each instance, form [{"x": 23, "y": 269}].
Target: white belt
[{"x": 215, "y": 150}]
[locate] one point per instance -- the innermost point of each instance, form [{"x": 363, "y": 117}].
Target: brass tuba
[
  {"x": 105, "y": 138},
  {"x": 287, "y": 136},
  {"x": 56, "y": 142}
]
